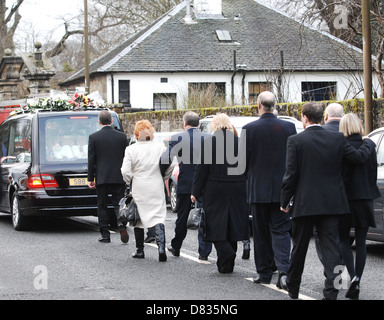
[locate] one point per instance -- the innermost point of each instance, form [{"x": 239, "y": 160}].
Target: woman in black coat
[
  {"x": 223, "y": 193},
  {"x": 361, "y": 187}
]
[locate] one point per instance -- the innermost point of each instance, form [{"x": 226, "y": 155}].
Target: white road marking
[
  {"x": 184, "y": 255},
  {"x": 92, "y": 226},
  {"x": 270, "y": 286},
  {"x": 273, "y": 287}
]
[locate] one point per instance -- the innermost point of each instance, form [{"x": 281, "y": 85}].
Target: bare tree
[
  {"x": 112, "y": 21},
  {"x": 343, "y": 19},
  {"x": 9, "y": 21}
]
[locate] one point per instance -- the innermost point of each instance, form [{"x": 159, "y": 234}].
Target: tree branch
[
  {"x": 13, "y": 11},
  {"x": 60, "y": 46}
]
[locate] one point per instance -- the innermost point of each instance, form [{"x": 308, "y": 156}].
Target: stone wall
[{"x": 172, "y": 120}]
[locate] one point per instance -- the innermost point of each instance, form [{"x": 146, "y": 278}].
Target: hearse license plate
[{"x": 78, "y": 182}]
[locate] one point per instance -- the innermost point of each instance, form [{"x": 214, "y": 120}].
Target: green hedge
[{"x": 174, "y": 117}]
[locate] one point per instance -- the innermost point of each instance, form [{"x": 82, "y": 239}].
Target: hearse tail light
[{"x": 39, "y": 181}]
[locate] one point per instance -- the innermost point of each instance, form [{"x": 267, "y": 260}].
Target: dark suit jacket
[
  {"x": 186, "y": 147},
  {"x": 265, "y": 144},
  {"x": 106, "y": 150},
  {"x": 360, "y": 179},
  {"x": 332, "y": 125},
  {"x": 314, "y": 171}
]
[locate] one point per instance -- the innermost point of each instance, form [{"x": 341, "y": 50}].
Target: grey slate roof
[{"x": 171, "y": 45}]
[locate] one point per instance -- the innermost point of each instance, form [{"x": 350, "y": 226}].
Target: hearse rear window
[{"x": 65, "y": 138}]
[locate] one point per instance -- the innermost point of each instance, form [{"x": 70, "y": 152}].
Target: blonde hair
[
  {"x": 221, "y": 121},
  {"x": 351, "y": 124},
  {"x": 144, "y": 131}
]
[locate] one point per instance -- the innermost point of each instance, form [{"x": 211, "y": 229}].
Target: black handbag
[
  {"x": 128, "y": 211},
  {"x": 196, "y": 218}
]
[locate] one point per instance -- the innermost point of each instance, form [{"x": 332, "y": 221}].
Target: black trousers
[
  {"x": 104, "y": 216},
  {"x": 226, "y": 255},
  {"x": 184, "y": 205},
  {"x": 302, "y": 231},
  {"x": 361, "y": 219},
  {"x": 272, "y": 241}
]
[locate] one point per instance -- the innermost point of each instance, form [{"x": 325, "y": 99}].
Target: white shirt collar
[{"x": 313, "y": 125}]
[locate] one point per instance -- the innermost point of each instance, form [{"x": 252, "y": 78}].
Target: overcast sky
[{"x": 46, "y": 16}]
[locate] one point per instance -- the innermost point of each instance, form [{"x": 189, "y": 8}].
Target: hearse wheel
[{"x": 19, "y": 221}]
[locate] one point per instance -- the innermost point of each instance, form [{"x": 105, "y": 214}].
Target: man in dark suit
[
  {"x": 332, "y": 116},
  {"x": 186, "y": 147},
  {"x": 314, "y": 181},
  {"x": 263, "y": 143},
  {"x": 106, "y": 149}
]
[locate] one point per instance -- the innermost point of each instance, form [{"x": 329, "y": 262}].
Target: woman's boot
[
  {"x": 160, "y": 241},
  {"x": 139, "y": 237},
  {"x": 354, "y": 289}
]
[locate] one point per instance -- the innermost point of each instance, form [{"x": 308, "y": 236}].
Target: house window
[
  {"x": 318, "y": 91},
  {"x": 164, "y": 101},
  {"x": 124, "y": 92},
  {"x": 255, "y": 88}
]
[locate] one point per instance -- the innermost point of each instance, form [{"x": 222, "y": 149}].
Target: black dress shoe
[
  {"x": 175, "y": 252},
  {"x": 203, "y": 258},
  {"x": 226, "y": 268},
  {"x": 261, "y": 280},
  {"x": 139, "y": 254},
  {"x": 282, "y": 281},
  {"x": 105, "y": 240},
  {"x": 293, "y": 294}
]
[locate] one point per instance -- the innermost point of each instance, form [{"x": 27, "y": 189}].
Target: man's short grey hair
[
  {"x": 191, "y": 119},
  {"x": 334, "y": 110},
  {"x": 267, "y": 101},
  {"x": 105, "y": 117}
]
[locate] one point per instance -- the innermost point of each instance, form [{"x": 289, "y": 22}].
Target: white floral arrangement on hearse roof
[{"x": 61, "y": 102}]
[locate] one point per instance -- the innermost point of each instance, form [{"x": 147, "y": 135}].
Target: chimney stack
[
  {"x": 188, "y": 18},
  {"x": 208, "y": 9}
]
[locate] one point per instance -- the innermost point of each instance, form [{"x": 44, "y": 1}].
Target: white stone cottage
[{"x": 237, "y": 47}]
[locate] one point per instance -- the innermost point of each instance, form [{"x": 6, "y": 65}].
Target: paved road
[{"x": 61, "y": 259}]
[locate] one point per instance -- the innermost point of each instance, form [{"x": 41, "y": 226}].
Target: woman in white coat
[{"x": 141, "y": 169}]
